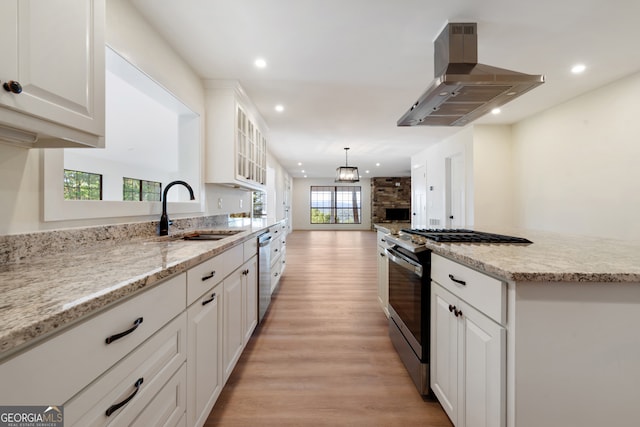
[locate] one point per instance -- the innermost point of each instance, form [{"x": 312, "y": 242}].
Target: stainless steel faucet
[{"x": 163, "y": 228}]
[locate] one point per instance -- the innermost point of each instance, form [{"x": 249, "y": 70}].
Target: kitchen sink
[{"x": 209, "y": 235}]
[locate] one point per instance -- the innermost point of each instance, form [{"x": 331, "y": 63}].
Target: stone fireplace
[{"x": 390, "y": 199}]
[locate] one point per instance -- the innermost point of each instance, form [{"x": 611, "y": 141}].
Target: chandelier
[{"x": 347, "y": 173}]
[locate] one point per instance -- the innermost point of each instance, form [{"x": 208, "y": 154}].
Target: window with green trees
[
  {"x": 259, "y": 204},
  {"x": 141, "y": 190},
  {"x": 80, "y": 185},
  {"x": 336, "y": 205}
]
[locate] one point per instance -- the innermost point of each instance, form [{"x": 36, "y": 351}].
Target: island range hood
[{"x": 464, "y": 90}]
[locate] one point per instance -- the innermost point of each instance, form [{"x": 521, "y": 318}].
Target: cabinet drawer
[
  {"x": 154, "y": 363},
  {"x": 283, "y": 259},
  {"x": 381, "y": 241},
  {"x": 485, "y": 293},
  {"x": 203, "y": 276},
  {"x": 74, "y": 358},
  {"x": 276, "y": 249}
]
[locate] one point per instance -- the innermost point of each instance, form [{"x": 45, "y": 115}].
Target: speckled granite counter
[
  {"x": 42, "y": 294},
  {"x": 552, "y": 257}
]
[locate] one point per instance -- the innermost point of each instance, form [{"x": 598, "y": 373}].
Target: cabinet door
[
  {"x": 242, "y": 139},
  {"x": 444, "y": 350},
  {"x": 168, "y": 406},
  {"x": 233, "y": 331},
  {"x": 59, "y": 62},
  {"x": 250, "y": 291},
  {"x": 204, "y": 368},
  {"x": 482, "y": 358},
  {"x": 383, "y": 280}
]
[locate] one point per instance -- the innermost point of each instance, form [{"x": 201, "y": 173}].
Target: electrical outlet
[
  {"x": 219, "y": 202},
  {"x": 241, "y": 203}
]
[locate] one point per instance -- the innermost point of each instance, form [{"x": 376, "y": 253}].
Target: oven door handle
[{"x": 402, "y": 261}]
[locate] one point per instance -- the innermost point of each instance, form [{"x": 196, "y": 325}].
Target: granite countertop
[
  {"x": 552, "y": 257},
  {"x": 43, "y": 294}
]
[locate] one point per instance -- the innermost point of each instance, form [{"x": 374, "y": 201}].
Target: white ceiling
[{"x": 346, "y": 70}]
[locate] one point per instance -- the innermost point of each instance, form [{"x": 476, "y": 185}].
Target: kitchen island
[{"x": 567, "y": 310}]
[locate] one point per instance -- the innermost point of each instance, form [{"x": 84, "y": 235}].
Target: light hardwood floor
[{"x": 322, "y": 356}]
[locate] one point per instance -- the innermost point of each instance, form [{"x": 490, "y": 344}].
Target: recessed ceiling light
[
  {"x": 299, "y": 163},
  {"x": 377, "y": 164},
  {"x": 578, "y": 68},
  {"x": 366, "y": 171},
  {"x": 302, "y": 171},
  {"x": 279, "y": 108},
  {"x": 305, "y": 176},
  {"x": 495, "y": 111},
  {"x": 260, "y": 63}
]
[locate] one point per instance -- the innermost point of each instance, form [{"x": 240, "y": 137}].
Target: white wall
[
  {"x": 435, "y": 159},
  {"x": 493, "y": 178},
  {"x": 572, "y": 168},
  {"x": 301, "y": 219},
  {"x": 576, "y": 165}
]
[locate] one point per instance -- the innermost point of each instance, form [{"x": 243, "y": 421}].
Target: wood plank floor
[{"x": 322, "y": 356}]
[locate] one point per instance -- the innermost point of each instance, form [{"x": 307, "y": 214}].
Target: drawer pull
[
  {"x": 114, "y": 408},
  {"x": 209, "y": 276},
  {"x": 112, "y": 338},
  {"x": 213, "y": 297},
  {"x": 462, "y": 282},
  {"x": 451, "y": 308}
]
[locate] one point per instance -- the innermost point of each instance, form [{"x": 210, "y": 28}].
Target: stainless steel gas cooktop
[
  {"x": 414, "y": 239},
  {"x": 464, "y": 236}
]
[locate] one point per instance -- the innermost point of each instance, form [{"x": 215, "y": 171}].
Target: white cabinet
[
  {"x": 250, "y": 290},
  {"x": 233, "y": 332},
  {"x": 468, "y": 358},
  {"x": 236, "y": 145},
  {"x": 383, "y": 273},
  {"x": 129, "y": 350},
  {"x": 53, "y": 52},
  {"x": 240, "y": 312},
  {"x": 150, "y": 358},
  {"x": 134, "y": 320},
  {"x": 204, "y": 369},
  {"x": 278, "y": 253},
  {"x": 121, "y": 396}
]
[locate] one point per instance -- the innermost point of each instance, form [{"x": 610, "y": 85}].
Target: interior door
[
  {"x": 455, "y": 192},
  {"x": 419, "y": 196}
]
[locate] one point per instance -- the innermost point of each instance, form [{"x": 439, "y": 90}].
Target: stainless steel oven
[
  {"x": 409, "y": 311},
  {"x": 410, "y": 291}
]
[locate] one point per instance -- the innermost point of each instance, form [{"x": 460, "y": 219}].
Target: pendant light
[{"x": 347, "y": 173}]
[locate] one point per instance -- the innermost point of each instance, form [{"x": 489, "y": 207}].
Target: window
[
  {"x": 162, "y": 144},
  {"x": 141, "y": 190},
  {"x": 335, "y": 205},
  {"x": 259, "y": 204},
  {"x": 82, "y": 185}
]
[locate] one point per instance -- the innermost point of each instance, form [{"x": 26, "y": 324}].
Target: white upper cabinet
[
  {"x": 52, "y": 73},
  {"x": 236, "y": 147}
]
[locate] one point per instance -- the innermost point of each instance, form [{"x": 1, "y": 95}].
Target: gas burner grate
[{"x": 464, "y": 236}]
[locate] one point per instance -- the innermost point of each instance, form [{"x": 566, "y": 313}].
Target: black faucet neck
[{"x": 163, "y": 228}]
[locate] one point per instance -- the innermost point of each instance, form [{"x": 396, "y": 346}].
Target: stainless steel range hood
[{"x": 464, "y": 90}]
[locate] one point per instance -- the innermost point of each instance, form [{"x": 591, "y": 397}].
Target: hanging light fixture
[{"x": 347, "y": 173}]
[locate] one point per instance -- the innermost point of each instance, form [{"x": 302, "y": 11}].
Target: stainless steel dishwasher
[{"x": 264, "y": 274}]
